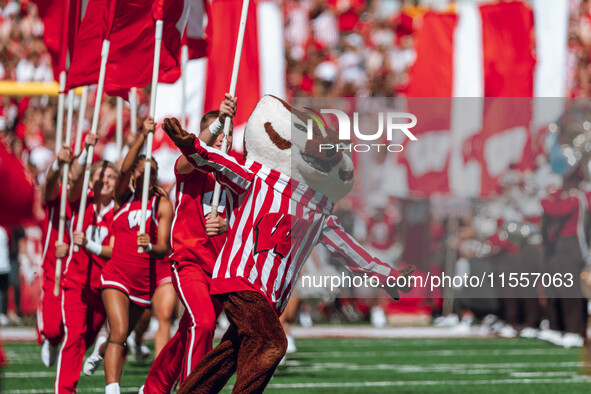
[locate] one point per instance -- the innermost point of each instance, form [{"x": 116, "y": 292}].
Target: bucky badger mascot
[{"x": 281, "y": 202}]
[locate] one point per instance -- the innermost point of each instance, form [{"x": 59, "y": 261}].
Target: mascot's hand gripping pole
[{"x": 215, "y": 202}]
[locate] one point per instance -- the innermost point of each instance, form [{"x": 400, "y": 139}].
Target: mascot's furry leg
[{"x": 253, "y": 346}]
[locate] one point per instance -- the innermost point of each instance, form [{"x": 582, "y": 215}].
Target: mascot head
[{"x": 276, "y": 136}]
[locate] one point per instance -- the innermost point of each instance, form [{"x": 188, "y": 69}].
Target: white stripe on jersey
[
  {"x": 48, "y": 235},
  {"x": 176, "y": 213}
]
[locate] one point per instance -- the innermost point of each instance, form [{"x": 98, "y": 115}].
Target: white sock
[{"x": 112, "y": 388}]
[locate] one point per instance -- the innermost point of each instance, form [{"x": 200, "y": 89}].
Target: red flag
[
  {"x": 508, "y": 46},
  {"x": 131, "y": 56},
  {"x": 432, "y": 73},
  {"x": 61, "y": 19},
  {"x": 170, "y": 70},
  {"x": 128, "y": 25},
  {"x": 427, "y": 160},
  {"x": 504, "y": 141},
  {"x": 199, "y": 29},
  {"x": 184, "y": 22},
  {"x": 508, "y": 49},
  {"x": 226, "y": 16},
  {"x": 86, "y": 56}
]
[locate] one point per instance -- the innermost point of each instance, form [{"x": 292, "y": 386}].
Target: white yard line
[
  {"x": 28, "y": 334},
  {"x": 439, "y": 353},
  {"x": 39, "y": 374},
  {"x": 578, "y": 379},
  {"x": 295, "y": 366}
]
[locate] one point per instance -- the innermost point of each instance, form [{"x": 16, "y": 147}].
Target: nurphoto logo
[{"x": 388, "y": 122}]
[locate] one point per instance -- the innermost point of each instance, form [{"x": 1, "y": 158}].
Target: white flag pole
[
  {"x": 216, "y": 193},
  {"x": 81, "y": 114},
  {"x": 119, "y": 129},
  {"x": 148, "y": 161},
  {"x": 63, "y": 196},
  {"x": 184, "y": 61},
  {"x": 133, "y": 110},
  {"x": 59, "y": 129},
  {"x": 93, "y": 130}
]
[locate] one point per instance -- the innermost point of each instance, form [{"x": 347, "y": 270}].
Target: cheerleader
[{"x": 129, "y": 279}]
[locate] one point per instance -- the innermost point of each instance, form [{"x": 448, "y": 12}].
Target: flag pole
[
  {"x": 149, "y": 142},
  {"x": 184, "y": 61},
  {"x": 60, "y": 113},
  {"x": 217, "y": 191},
  {"x": 63, "y": 196},
  {"x": 133, "y": 110},
  {"x": 119, "y": 129},
  {"x": 93, "y": 130},
  {"x": 81, "y": 113}
]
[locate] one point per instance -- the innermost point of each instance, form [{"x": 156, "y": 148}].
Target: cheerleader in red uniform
[
  {"x": 49, "y": 314},
  {"x": 82, "y": 306},
  {"x": 129, "y": 279}
]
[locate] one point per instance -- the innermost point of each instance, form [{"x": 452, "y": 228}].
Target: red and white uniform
[
  {"x": 163, "y": 272},
  {"x": 572, "y": 207},
  {"x": 49, "y": 315},
  {"x": 193, "y": 257},
  {"x": 82, "y": 305},
  {"x": 129, "y": 271},
  {"x": 275, "y": 223}
]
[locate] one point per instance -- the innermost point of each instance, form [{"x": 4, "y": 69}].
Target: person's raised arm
[
  {"x": 78, "y": 169},
  {"x": 51, "y": 186},
  {"x": 210, "y": 134},
  {"x": 228, "y": 172},
  {"x": 128, "y": 165},
  {"x": 162, "y": 247}
]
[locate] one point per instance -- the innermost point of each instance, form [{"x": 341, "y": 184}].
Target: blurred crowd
[{"x": 344, "y": 48}]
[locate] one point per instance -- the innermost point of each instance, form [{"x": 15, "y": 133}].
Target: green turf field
[{"x": 369, "y": 365}]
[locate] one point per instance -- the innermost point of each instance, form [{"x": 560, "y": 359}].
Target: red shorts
[
  {"x": 163, "y": 272},
  {"x": 139, "y": 284}
]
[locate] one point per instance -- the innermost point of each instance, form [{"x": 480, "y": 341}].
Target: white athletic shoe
[
  {"x": 447, "y": 321},
  {"x": 378, "y": 317},
  {"x": 552, "y": 336},
  {"x": 486, "y": 326},
  {"x": 291, "y": 346},
  {"x": 92, "y": 363},
  {"x": 571, "y": 339},
  {"x": 49, "y": 353},
  {"x": 529, "y": 332},
  {"x": 506, "y": 331}
]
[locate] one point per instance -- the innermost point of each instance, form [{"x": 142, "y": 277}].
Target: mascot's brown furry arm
[{"x": 282, "y": 205}]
